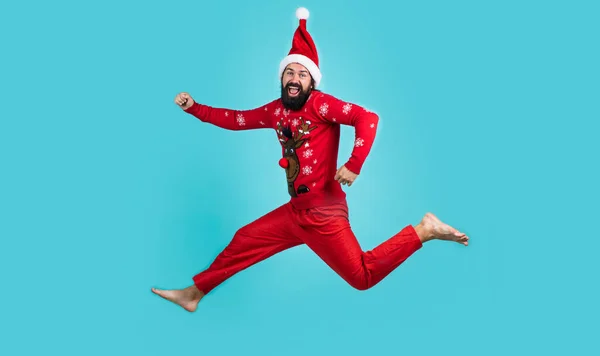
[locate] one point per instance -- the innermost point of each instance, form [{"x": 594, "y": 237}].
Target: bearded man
[{"x": 307, "y": 125}]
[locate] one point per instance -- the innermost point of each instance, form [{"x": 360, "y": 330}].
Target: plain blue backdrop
[{"x": 489, "y": 118}]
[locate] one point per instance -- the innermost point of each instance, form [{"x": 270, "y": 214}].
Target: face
[{"x": 296, "y": 85}]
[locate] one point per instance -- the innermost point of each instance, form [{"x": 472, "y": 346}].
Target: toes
[
  {"x": 160, "y": 293},
  {"x": 462, "y": 239}
]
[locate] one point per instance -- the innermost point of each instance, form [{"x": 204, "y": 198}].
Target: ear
[{"x": 299, "y": 143}]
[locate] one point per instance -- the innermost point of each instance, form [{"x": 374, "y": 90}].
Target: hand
[
  {"x": 184, "y": 100},
  {"x": 345, "y": 176}
]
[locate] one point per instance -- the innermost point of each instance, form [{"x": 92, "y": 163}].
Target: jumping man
[{"x": 307, "y": 126}]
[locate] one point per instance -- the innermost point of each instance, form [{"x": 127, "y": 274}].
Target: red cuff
[
  {"x": 352, "y": 166},
  {"x": 191, "y": 107}
]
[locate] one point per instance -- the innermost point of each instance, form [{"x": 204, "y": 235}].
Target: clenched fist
[
  {"x": 184, "y": 100},
  {"x": 345, "y": 176}
]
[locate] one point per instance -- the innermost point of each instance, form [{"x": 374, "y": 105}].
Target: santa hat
[{"x": 303, "y": 50}]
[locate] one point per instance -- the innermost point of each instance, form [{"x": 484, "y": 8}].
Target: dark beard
[{"x": 294, "y": 103}]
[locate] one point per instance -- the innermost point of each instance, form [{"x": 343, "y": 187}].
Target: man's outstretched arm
[{"x": 225, "y": 118}]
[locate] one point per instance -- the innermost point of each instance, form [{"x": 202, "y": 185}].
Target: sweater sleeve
[
  {"x": 365, "y": 124},
  {"x": 229, "y": 119}
]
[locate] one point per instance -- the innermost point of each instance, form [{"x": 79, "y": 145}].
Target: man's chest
[{"x": 295, "y": 129}]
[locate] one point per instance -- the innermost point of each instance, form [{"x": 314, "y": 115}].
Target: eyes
[{"x": 290, "y": 74}]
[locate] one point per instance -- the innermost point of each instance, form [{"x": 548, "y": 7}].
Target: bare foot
[
  {"x": 187, "y": 298},
  {"x": 431, "y": 228}
]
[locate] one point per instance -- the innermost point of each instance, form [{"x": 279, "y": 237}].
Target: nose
[
  {"x": 295, "y": 78},
  {"x": 284, "y": 163}
]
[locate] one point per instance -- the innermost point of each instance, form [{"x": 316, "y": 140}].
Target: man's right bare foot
[
  {"x": 431, "y": 228},
  {"x": 187, "y": 298}
]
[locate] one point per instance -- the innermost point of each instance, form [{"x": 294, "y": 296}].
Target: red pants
[{"x": 326, "y": 231}]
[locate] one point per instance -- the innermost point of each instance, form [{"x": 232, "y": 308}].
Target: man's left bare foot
[{"x": 187, "y": 298}]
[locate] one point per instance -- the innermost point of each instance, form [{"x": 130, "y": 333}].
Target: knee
[
  {"x": 359, "y": 282},
  {"x": 361, "y": 287},
  {"x": 241, "y": 231},
  {"x": 246, "y": 230}
]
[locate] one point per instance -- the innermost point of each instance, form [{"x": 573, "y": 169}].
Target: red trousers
[{"x": 326, "y": 231}]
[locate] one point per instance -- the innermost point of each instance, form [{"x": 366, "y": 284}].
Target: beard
[{"x": 294, "y": 103}]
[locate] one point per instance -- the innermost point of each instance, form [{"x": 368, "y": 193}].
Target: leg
[
  {"x": 260, "y": 239},
  {"x": 329, "y": 235},
  {"x": 333, "y": 240},
  {"x": 251, "y": 244}
]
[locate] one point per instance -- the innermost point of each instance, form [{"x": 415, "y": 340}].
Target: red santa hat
[{"x": 303, "y": 49}]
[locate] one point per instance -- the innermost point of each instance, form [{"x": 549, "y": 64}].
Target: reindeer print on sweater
[{"x": 293, "y": 138}]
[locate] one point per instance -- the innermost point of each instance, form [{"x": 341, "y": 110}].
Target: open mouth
[{"x": 293, "y": 91}]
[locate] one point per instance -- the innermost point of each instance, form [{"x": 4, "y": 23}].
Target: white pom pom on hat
[{"x": 302, "y": 13}]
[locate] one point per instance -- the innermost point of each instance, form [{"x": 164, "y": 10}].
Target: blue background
[{"x": 489, "y": 118}]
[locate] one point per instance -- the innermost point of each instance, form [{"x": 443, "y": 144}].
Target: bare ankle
[
  {"x": 194, "y": 292},
  {"x": 423, "y": 233}
]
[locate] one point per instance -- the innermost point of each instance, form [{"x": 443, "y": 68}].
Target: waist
[{"x": 330, "y": 196}]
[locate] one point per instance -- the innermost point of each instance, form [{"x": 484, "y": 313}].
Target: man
[{"x": 307, "y": 123}]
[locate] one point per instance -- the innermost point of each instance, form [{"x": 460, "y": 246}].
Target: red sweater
[{"x": 309, "y": 140}]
